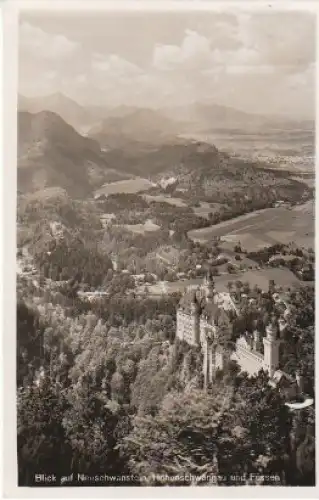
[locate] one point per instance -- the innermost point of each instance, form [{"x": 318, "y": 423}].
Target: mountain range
[
  {"x": 52, "y": 153},
  {"x": 127, "y": 142},
  {"x": 208, "y": 117},
  {"x": 113, "y": 126},
  {"x": 72, "y": 113},
  {"x": 138, "y": 127}
]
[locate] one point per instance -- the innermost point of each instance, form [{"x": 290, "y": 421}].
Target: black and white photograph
[{"x": 165, "y": 247}]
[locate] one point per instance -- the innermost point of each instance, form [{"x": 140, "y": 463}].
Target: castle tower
[
  {"x": 271, "y": 347},
  {"x": 188, "y": 318},
  {"x": 208, "y": 362},
  {"x": 222, "y": 356},
  {"x": 210, "y": 287},
  {"x": 205, "y": 363},
  {"x": 257, "y": 340},
  {"x": 194, "y": 308}
]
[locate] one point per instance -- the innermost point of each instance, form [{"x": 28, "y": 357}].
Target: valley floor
[{"x": 264, "y": 228}]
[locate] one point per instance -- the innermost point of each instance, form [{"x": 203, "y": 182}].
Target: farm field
[
  {"x": 125, "y": 186},
  {"x": 282, "y": 149},
  {"x": 203, "y": 210},
  {"x": 206, "y": 208},
  {"x": 177, "y": 202},
  {"x": 282, "y": 277},
  {"x": 263, "y": 228},
  {"x": 310, "y": 181}
]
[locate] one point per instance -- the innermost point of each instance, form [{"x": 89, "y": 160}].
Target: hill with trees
[
  {"x": 136, "y": 127},
  {"x": 109, "y": 388},
  {"x": 202, "y": 172},
  {"x": 51, "y": 153}
]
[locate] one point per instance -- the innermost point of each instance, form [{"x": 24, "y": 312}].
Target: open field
[
  {"x": 261, "y": 278},
  {"x": 264, "y": 228},
  {"x": 310, "y": 181},
  {"x": 148, "y": 226},
  {"x": 282, "y": 148},
  {"x": 177, "y": 202},
  {"x": 169, "y": 287},
  {"x": 203, "y": 210},
  {"x": 125, "y": 186},
  {"x": 206, "y": 208},
  {"x": 282, "y": 277}
]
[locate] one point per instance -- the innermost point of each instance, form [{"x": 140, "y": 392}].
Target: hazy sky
[{"x": 258, "y": 62}]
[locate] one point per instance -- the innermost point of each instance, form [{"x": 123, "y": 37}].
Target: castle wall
[
  {"x": 186, "y": 327},
  {"x": 197, "y": 330},
  {"x": 248, "y": 360},
  {"x": 219, "y": 359},
  {"x": 203, "y": 327}
]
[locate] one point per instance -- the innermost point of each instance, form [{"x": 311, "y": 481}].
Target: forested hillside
[
  {"x": 114, "y": 391},
  {"x": 52, "y": 154}
]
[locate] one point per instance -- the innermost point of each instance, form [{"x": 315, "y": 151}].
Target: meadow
[
  {"x": 264, "y": 228},
  {"x": 148, "y": 226},
  {"x": 177, "y": 202},
  {"x": 282, "y": 277},
  {"x": 125, "y": 186}
]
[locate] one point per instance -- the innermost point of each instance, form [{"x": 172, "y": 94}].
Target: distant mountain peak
[{"x": 71, "y": 112}]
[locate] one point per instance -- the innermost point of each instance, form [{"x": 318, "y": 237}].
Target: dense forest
[{"x": 107, "y": 388}]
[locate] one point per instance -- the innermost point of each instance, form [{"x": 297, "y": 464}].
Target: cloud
[
  {"x": 283, "y": 39},
  {"x": 198, "y": 54},
  {"x": 39, "y": 44},
  {"x": 81, "y": 79},
  {"x": 194, "y": 51},
  {"x": 253, "y": 69},
  {"x": 249, "y": 61},
  {"x": 304, "y": 77},
  {"x": 50, "y": 75},
  {"x": 284, "y": 42},
  {"x": 113, "y": 65}
]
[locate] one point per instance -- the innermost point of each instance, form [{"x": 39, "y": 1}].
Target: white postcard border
[{"x": 9, "y": 11}]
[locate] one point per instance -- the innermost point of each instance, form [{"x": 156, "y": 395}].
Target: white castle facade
[{"x": 203, "y": 316}]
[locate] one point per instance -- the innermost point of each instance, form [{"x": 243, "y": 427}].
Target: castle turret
[
  {"x": 194, "y": 309},
  {"x": 271, "y": 347},
  {"x": 194, "y": 302},
  {"x": 272, "y": 329},
  {"x": 210, "y": 287}
]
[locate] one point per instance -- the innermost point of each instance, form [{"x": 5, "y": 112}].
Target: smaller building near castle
[{"x": 204, "y": 317}]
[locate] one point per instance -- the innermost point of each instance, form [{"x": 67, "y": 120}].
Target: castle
[{"x": 203, "y": 317}]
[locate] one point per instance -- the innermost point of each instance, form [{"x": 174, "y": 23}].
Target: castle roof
[
  {"x": 188, "y": 301},
  {"x": 210, "y": 310}
]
